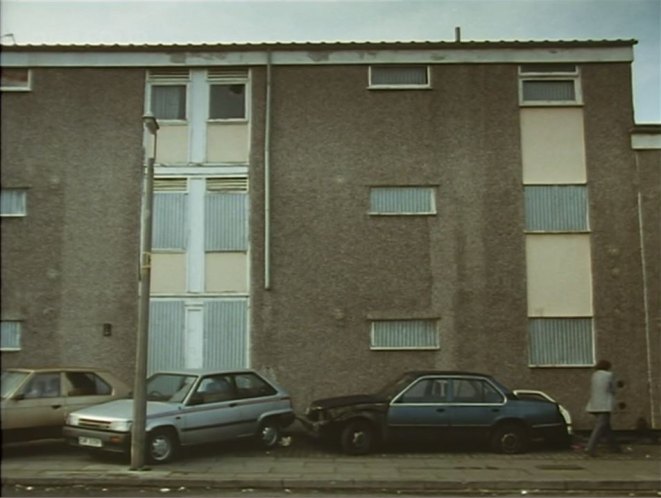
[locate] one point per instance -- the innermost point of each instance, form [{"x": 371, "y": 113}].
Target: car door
[
  {"x": 40, "y": 404},
  {"x": 475, "y": 406},
  {"x": 419, "y": 413},
  {"x": 212, "y": 413},
  {"x": 255, "y": 397}
]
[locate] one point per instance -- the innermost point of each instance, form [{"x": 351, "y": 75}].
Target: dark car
[{"x": 437, "y": 407}]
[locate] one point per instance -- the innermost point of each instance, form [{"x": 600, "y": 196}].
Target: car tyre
[
  {"x": 269, "y": 433},
  {"x": 162, "y": 446},
  {"x": 509, "y": 439},
  {"x": 357, "y": 437}
]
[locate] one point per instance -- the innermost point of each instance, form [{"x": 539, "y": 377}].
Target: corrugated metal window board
[
  {"x": 13, "y": 202},
  {"x": 225, "y": 333},
  {"x": 167, "y": 339},
  {"x": 170, "y": 221},
  {"x": 10, "y": 335},
  {"x": 402, "y": 200},
  {"x": 402, "y": 76},
  {"x": 405, "y": 334},
  {"x": 556, "y": 208},
  {"x": 226, "y": 221},
  {"x": 549, "y": 90},
  {"x": 561, "y": 342}
]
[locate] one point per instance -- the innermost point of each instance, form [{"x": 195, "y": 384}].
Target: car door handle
[
  {"x": 439, "y": 410},
  {"x": 55, "y": 407},
  {"x": 495, "y": 410},
  {"x": 232, "y": 405}
]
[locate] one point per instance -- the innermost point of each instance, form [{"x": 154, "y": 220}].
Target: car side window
[
  {"x": 251, "y": 386},
  {"x": 474, "y": 391},
  {"x": 215, "y": 388},
  {"x": 426, "y": 391},
  {"x": 87, "y": 384},
  {"x": 43, "y": 385}
]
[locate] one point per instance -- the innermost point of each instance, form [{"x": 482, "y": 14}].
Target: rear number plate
[{"x": 90, "y": 441}]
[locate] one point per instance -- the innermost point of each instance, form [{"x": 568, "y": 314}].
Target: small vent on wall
[
  {"x": 227, "y": 75},
  {"x": 234, "y": 184},
  {"x": 170, "y": 184},
  {"x": 169, "y": 75}
]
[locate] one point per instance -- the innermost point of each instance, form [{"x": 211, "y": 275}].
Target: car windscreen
[
  {"x": 389, "y": 391},
  {"x": 172, "y": 388},
  {"x": 10, "y": 381}
]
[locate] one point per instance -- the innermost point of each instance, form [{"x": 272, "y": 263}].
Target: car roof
[
  {"x": 53, "y": 369},
  {"x": 421, "y": 373},
  {"x": 204, "y": 371}
]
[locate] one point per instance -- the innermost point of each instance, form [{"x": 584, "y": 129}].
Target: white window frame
[
  {"x": 374, "y": 340},
  {"x": 430, "y": 188},
  {"x": 17, "y": 88},
  {"x": 23, "y": 202},
  {"x": 392, "y": 86},
  {"x": 169, "y": 78},
  {"x": 552, "y": 73},
  {"x": 7, "y": 323},
  {"x": 228, "y": 77}
]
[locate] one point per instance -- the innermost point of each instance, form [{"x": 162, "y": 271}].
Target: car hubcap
[
  {"x": 509, "y": 442},
  {"x": 269, "y": 435},
  {"x": 358, "y": 439},
  {"x": 160, "y": 448}
]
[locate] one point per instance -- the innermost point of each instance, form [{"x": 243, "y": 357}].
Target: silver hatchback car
[{"x": 188, "y": 408}]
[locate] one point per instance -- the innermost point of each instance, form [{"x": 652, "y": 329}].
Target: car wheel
[
  {"x": 268, "y": 434},
  {"x": 162, "y": 445},
  {"x": 357, "y": 438},
  {"x": 509, "y": 439}
]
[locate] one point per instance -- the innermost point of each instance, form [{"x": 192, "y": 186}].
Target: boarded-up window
[
  {"x": 167, "y": 341},
  {"x": 169, "y": 221},
  {"x": 549, "y": 84},
  {"x": 399, "y": 76},
  {"x": 561, "y": 342},
  {"x": 10, "y": 335},
  {"x": 15, "y": 80},
  {"x": 556, "y": 208},
  {"x": 402, "y": 200},
  {"x": 225, "y": 333},
  {"x": 226, "y": 215},
  {"x": 12, "y": 202},
  {"x": 405, "y": 334}
]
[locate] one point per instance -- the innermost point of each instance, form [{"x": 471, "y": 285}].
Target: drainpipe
[
  {"x": 267, "y": 176},
  {"x": 643, "y": 264}
]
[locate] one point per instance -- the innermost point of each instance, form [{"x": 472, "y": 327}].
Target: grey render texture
[{"x": 71, "y": 265}]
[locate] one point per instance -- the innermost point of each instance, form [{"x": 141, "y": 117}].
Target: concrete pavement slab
[{"x": 310, "y": 468}]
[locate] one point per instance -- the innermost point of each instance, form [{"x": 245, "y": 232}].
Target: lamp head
[{"x": 150, "y": 123}]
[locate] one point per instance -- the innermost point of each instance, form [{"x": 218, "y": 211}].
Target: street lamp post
[{"x": 138, "y": 432}]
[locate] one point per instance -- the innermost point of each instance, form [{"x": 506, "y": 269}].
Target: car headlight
[
  {"x": 120, "y": 426},
  {"x": 72, "y": 419}
]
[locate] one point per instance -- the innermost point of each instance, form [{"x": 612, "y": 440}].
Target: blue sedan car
[{"x": 435, "y": 406}]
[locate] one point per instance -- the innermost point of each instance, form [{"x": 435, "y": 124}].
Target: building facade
[{"x": 335, "y": 214}]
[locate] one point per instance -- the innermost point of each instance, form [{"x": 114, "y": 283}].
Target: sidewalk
[{"x": 304, "y": 467}]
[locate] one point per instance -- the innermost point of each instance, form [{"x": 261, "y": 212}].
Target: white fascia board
[{"x": 318, "y": 57}]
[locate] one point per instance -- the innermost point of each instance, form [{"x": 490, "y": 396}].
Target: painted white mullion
[
  {"x": 194, "y": 340},
  {"x": 195, "y": 255},
  {"x": 198, "y": 115}
]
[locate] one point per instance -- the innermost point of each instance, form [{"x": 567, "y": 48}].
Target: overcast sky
[{"x": 209, "y": 21}]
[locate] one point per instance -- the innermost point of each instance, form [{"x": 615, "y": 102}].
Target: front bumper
[{"x": 92, "y": 439}]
